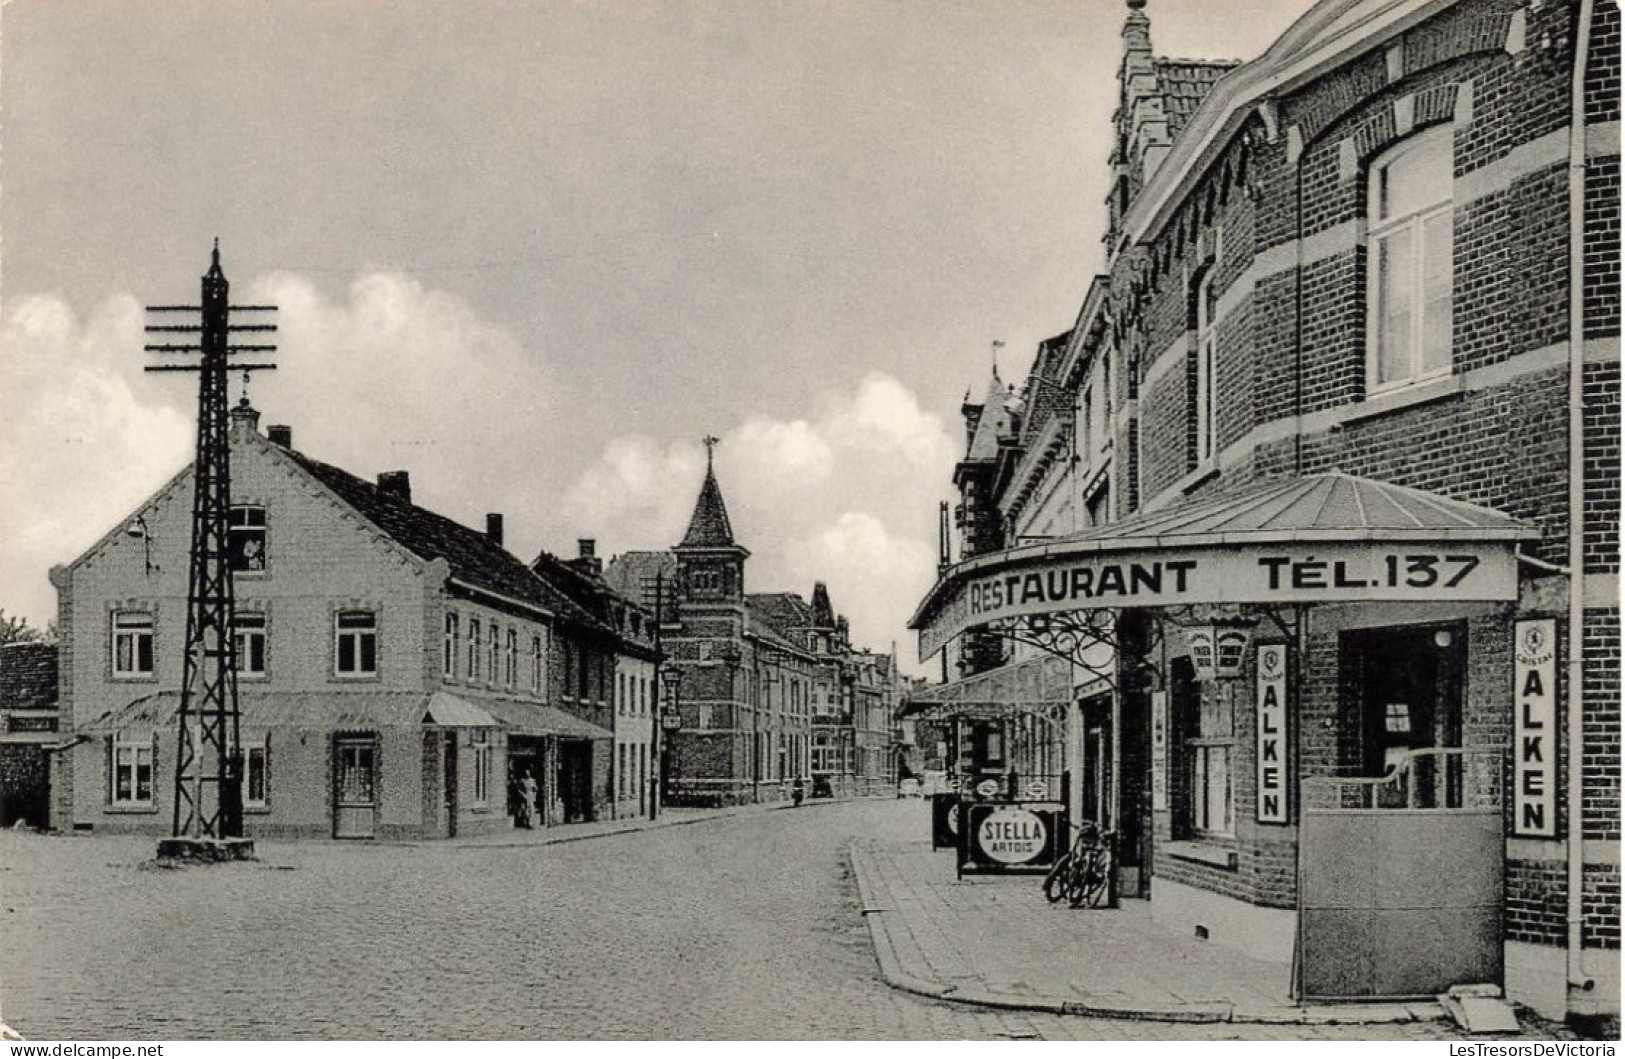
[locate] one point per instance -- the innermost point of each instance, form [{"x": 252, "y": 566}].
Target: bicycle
[{"x": 1082, "y": 875}]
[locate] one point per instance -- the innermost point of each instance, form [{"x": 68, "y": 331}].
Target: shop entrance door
[
  {"x": 449, "y": 776},
  {"x": 355, "y": 787},
  {"x": 575, "y": 780}
]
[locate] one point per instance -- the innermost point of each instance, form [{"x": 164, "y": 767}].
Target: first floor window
[
  {"x": 132, "y": 644},
  {"x": 248, "y": 630},
  {"x": 255, "y": 774},
  {"x": 482, "y": 766},
  {"x": 356, "y": 643},
  {"x": 1411, "y": 258},
  {"x": 132, "y": 772},
  {"x": 473, "y": 650},
  {"x": 536, "y": 664},
  {"x": 492, "y": 674},
  {"x": 510, "y": 660}
]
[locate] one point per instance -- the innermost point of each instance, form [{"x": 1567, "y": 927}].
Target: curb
[{"x": 875, "y": 901}]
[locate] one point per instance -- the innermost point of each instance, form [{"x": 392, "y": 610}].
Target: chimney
[
  {"x": 397, "y": 484},
  {"x": 244, "y": 418},
  {"x": 280, "y": 435},
  {"x": 493, "y": 528},
  {"x": 587, "y": 561}
]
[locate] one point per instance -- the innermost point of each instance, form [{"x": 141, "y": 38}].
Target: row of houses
[
  {"x": 403, "y": 676},
  {"x": 771, "y": 690},
  {"x": 1296, "y": 556}
]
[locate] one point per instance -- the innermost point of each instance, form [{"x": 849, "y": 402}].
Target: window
[
  {"x": 536, "y": 664},
  {"x": 1209, "y": 753},
  {"x": 132, "y": 772},
  {"x": 248, "y": 630},
  {"x": 132, "y": 644},
  {"x": 473, "y": 650},
  {"x": 510, "y": 659},
  {"x": 482, "y": 766},
  {"x": 1410, "y": 260},
  {"x": 453, "y": 645},
  {"x": 355, "y": 633},
  {"x": 621, "y": 771},
  {"x": 256, "y": 774},
  {"x": 245, "y": 539},
  {"x": 1203, "y": 385},
  {"x": 494, "y": 654}
]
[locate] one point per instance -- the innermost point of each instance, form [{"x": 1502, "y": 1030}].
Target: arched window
[{"x": 1410, "y": 261}]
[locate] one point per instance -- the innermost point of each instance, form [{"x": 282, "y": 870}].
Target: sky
[{"x": 533, "y": 252}]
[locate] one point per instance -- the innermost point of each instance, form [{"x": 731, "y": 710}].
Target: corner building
[
  {"x": 396, "y": 670},
  {"x": 1355, "y": 358}
]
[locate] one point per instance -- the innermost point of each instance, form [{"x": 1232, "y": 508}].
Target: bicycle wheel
[
  {"x": 1077, "y": 876},
  {"x": 1094, "y": 888},
  {"x": 1055, "y": 881}
]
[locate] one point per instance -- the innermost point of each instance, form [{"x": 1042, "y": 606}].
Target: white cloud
[
  {"x": 874, "y": 576},
  {"x": 396, "y": 375},
  {"x": 639, "y": 494},
  {"x": 84, "y": 437},
  {"x": 847, "y": 496}
]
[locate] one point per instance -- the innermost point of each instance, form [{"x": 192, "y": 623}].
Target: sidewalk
[
  {"x": 516, "y": 838},
  {"x": 995, "y": 941}
]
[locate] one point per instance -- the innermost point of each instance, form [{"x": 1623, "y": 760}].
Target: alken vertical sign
[
  {"x": 1272, "y": 734},
  {"x": 1534, "y": 697}
]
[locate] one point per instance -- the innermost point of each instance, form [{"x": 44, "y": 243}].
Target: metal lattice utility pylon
[{"x": 208, "y": 763}]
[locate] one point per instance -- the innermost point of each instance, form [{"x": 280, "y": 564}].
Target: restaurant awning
[{"x": 1324, "y": 538}]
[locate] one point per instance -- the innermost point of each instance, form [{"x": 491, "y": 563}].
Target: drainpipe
[{"x": 1576, "y": 544}]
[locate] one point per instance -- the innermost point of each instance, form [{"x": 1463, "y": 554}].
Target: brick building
[
  {"x": 395, "y": 667},
  {"x": 29, "y": 731},
  {"x": 770, "y": 689},
  {"x": 1332, "y": 475}
]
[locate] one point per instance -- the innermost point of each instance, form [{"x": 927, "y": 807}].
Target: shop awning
[
  {"x": 335, "y": 710},
  {"x": 1325, "y": 538},
  {"x": 536, "y": 719},
  {"x": 448, "y": 711},
  {"x": 1033, "y": 685}
]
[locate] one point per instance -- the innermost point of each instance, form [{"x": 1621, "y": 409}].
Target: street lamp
[
  {"x": 671, "y": 719},
  {"x": 137, "y": 530}
]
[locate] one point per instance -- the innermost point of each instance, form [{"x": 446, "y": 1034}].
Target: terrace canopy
[{"x": 1323, "y": 538}]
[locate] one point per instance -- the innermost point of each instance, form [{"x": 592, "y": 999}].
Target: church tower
[{"x": 710, "y": 563}]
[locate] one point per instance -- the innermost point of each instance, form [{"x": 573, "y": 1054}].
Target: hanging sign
[
  {"x": 1534, "y": 697},
  {"x": 1159, "y": 750},
  {"x": 1272, "y": 734}
]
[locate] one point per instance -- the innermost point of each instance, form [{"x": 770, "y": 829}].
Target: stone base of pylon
[{"x": 209, "y": 850}]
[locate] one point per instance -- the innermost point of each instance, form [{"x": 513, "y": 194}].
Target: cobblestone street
[{"x": 738, "y": 927}]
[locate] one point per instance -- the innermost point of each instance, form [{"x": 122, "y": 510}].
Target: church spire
[{"x": 709, "y": 526}]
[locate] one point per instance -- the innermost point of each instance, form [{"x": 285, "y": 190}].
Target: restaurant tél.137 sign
[{"x": 1252, "y": 573}]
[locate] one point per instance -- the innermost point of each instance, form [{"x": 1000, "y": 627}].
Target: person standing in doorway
[{"x": 527, "y": 799}]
